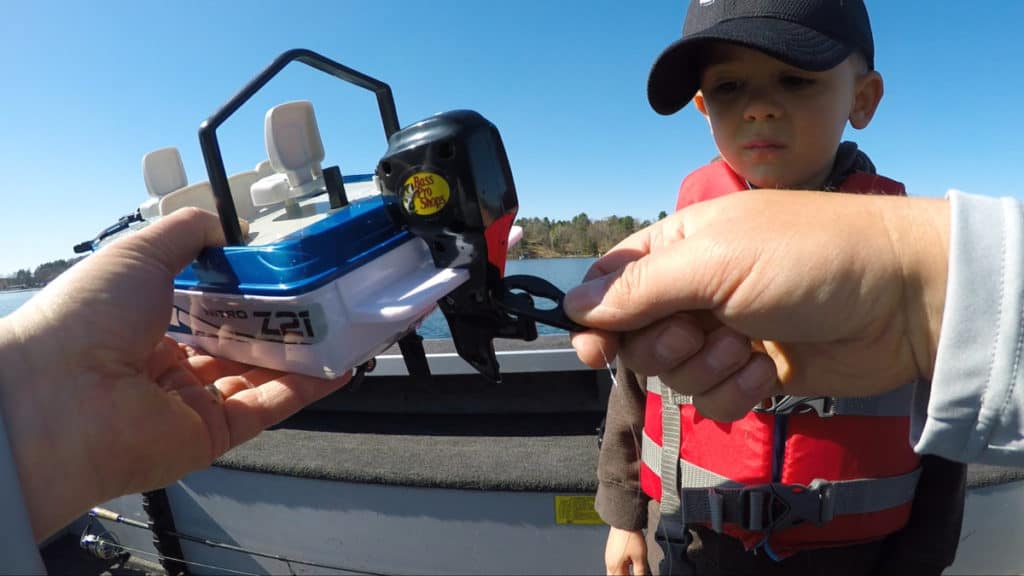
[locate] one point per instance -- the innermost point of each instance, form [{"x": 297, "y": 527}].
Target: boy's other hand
[{"x": 625, "y": 549}]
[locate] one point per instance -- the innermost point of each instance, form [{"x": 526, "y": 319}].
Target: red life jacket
[{"x": 799, "y": 474}]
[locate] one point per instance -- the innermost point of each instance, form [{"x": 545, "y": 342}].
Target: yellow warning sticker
[
  {"x": 576, "y": 510},
  {"x": 425, "y": 193}
]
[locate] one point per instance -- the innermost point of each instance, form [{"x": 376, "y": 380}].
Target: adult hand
[
  {"x": 99, "y": 403},
  {"x": 846, "y": 293}
]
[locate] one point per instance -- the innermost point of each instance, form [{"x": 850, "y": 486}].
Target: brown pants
[{"x": 926, "y": 546}]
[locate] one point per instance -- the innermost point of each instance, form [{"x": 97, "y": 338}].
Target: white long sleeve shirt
[
  {"x": 973, "y": 411},
  {"x": 18, "y": 551}
]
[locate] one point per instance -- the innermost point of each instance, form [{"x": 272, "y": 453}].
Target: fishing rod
[{"x": 101, "y": 547}]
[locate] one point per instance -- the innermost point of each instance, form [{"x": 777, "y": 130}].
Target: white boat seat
[
  {"x": 295, "y": 151},
  {"x": 240, "y": 185},
  {"x": 163, "y": 173},
  {"x": 199, "y": 195},
  {"x": 264, "y": 169}
]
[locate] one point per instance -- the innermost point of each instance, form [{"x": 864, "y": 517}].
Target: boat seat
[
  {"x": 199, "y": 195},
  {"x": 295, "y": 151},
  {"x": 163, "y": 173},
  {"x": 240, "y": 185}
]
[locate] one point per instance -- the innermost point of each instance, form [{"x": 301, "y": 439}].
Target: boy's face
[{"x": 776, "y": 125}]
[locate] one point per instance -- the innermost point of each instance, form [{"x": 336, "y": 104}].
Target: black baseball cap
[{"x": 809, "y": 34}]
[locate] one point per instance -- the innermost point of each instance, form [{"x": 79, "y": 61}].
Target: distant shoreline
[{"x": 554, "y": 257}]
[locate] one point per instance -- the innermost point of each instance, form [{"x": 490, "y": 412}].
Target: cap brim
[{"x": 675, "y": 75}]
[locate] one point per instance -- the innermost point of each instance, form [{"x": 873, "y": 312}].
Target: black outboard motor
[{"x": 447, "y": 178}]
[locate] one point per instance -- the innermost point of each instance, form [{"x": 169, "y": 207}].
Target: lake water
[
  {"x": 562, "y": 272},
  {"x": 11, "y": 301}
]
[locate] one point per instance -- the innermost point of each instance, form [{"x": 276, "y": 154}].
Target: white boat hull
[{"x": 335, "y": 526}]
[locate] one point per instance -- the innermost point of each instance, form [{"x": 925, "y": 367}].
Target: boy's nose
[{"x": 760, "y": 106}]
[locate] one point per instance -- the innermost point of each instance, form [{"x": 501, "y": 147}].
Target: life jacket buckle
[
  {"x": 823, "y": 406},
  {"x": 777, "y": 506}
]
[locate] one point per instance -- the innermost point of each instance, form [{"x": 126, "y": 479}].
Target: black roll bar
[{"x": 208, "y": 129}]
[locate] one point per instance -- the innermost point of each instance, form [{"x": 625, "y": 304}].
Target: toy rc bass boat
[{"x": 334, "y": 268}]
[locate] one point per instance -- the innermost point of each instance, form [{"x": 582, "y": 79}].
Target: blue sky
[{"x": 88, "y": 88}]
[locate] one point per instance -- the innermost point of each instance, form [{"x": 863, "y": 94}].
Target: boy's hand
[{"x": 625, "y": 549}]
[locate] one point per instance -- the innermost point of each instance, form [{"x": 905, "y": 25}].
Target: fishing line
[
  {"x": 608, "y": 365},
  {"x": 183, "y": 561},
  {"x": 159, "y": 557}
]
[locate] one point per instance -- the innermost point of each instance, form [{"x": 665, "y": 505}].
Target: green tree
[
  {"x": 45, "y": 273},
  {"x": 578, "y": 236},
  {"x": 23, "y": 278}
]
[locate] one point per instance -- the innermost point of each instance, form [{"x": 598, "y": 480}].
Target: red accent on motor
[{"x": 497, "y": 241}]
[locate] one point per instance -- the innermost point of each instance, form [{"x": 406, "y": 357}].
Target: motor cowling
[{"x": 447, "y": 178}]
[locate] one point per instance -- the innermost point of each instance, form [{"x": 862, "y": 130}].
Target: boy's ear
[
  {"x": 698, "y": 101},
  {"x": 868, "y": 93}
]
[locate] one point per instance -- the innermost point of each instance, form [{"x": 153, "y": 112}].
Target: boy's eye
[
  {"x": 796, "y": 82},
  {"x": 725, "y": 88}
]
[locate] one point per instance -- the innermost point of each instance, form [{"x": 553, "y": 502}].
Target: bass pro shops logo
[{"x": 425, "y": 193}]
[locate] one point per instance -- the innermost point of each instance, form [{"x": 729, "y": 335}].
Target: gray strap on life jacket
[
  {"x": 712, "y": 498},
  {"x": 668, "y": 460},
  {"x": 894, "y": 403}
]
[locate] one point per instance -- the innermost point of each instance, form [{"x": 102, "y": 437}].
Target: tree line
[
  {"x": 579, "y": 237},
  {"x": 542, "y": 238},
  {"x": 42, "y": 275}
]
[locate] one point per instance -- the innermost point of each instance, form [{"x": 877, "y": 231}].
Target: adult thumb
[
  {"x": 176, "y": 239},
  {"x": 682, "y": 276}
]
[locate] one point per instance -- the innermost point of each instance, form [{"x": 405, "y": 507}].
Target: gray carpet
[{"x": 534, "y": 432}]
